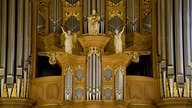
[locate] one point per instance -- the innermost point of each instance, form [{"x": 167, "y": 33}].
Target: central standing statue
[{"x": 93, "y": 23}]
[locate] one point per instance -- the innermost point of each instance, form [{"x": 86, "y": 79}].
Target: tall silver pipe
[
  {"x": 159, "y": 27},
  {"x": 29, "y": 48},
  {"x": 85, "y": 14},
  {"x": 20, "y": 35},
  {"x": 30, "y": 29},
  {"x": 26, "y": 43},
  {"x": 163, "y": 37},
  {"x": 191, "y": 28},
  {"x": 93, "y": 5},
  {"x": 3, "y": 42},
  {"x": 93, "y": 76},
  {"x": 19, "y": 45},
  {"x": 89, "y": 8},
  {"x": 90, "y": 76},
  {"x": 179, "y": 41},
  {"x": 97, "y": 77},
  {"x": 169, "y": 31},
  {"x": 11, "y": 46},
  {"x": 3, "y": 34},
  {"x": 100, "y": 78},
  {"x": 102, "y": 16},
  {"x": 187, "y": 35},
  {"x": 88, "y": 71}
]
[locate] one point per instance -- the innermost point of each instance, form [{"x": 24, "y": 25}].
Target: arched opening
[
  {"x": 142, "y": 68},
  {"x": 46, "y": 69}
]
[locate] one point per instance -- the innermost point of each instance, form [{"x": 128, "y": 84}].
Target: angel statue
[
  {"x": 118, "y": 40},
  {"x": 68, "y": 40},
  {"x": 93, "y": 23}
]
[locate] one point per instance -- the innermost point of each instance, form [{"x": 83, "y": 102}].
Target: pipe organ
[
  {"x": 174, "y": 47},
  {"x": 15, "y": 48},
  {"x": 153, "y": 70}
]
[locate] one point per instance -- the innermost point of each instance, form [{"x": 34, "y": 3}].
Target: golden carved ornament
[
  {"x": 70, "y": 68},
  {"x": 147, "y": 7},
  {"x": 117, "y": 67},
  {"x": 167, "y": 88},
  {"x": 185, "y": 94},
  {"x": 42, "y": 8},
  {"x": 92, "y": 50},
  {"x": 72, "y": 13},
  {"x": 175, "y": 90},
  {"x": 4, "y": 94},
  {"x": 52, "y": 56},
  {"x": 114, "y": 13},
  {"x": 14, "y": 92}
]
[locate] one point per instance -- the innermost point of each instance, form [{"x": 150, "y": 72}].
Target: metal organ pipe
[
  {"x": 186, "y": 31},
  {"x": 102, "y": 16},
  {"x": 11, "y": 47},
  {"x": 159, "y": 27},
  {"x": 163, "y": 38},
  {"x": 191, "y": 28},
  {"x": 88, "y": 71},
  {"x": 90, "y": 77},
  {"x": 19, "y": 45},
  {"x": 3, "y": 42},
  {"x": 93, "y": 76},
  {"x": 93, "y": 5},
  {"x": 179, "y": 42},
  {"x": 85, "y": 14},
  {"x": 89, "y": 8},
  {"x": 99, "y": 78},
  {"x": 26, "y": 44},
  {"x": 169, "y": 32}
]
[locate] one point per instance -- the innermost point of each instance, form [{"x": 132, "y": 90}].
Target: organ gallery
[{"x": 95, "y": 54}]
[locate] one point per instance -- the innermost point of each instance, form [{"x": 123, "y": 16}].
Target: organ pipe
[
  {"x": 191, "y": 28},
  {"x": 19, "y": 37},
  {"x": 85, "y": 10},
  {"x": 186, "y": 32},
  {"x": 159, "y": 27},
  {"x": 102, "y": 16},
  {"x": 163, "y": 38},
  {"x": 3, "y": 37},
  {"x": 11, "y": 47},
  {"x": 178, "y": 40},
  {"x": 169, "y": 32},
  {"x": 93, "y": 5},
  {"x": 19, "y": 45},
  {"x": 88, "y": 67},
  {"x": 90, "y": 77},
  {"x": 94, "y": 81},
  {"x": 99, "y": 78},
  {"x": 89, "y": 8},
  {"x": 26, "y": 43}
]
